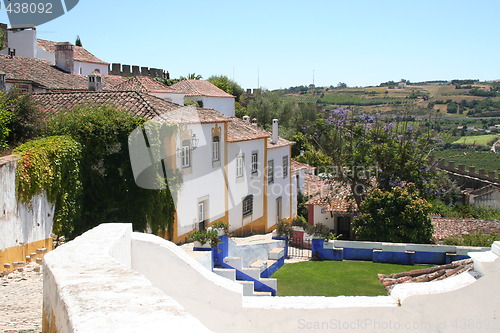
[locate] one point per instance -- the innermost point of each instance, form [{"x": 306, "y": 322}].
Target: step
[
  {"x": 276, "y": 253},
  {"x": 261, "y": 264},
  {"x": 262, "y": 293},
  {"x": 227, "y": 273},
  {"x": 234, "y": 262},
  {"x": 252, "y": 272},
  {"x": 270, "y": 262},
  {"x": 270, "y": 282},
  {"x": 248, "y": 287}
]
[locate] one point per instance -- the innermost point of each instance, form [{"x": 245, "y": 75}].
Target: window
[
  {"x": 186, "y": 153},
  {"x": 270, "y": 171},
  {"x": 239, "y": 166},
  {"x": 201, "y": 215},
  {"x": 248, "y": 205},
  {"x": 215, "y": 148},
  {"x": 255, "y": 162},
  {"x": 285, "y": 166}
]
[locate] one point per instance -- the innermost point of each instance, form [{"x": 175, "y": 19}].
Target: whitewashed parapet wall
[
  {"x": 88, "y": 288},
  {"x": 21, "y": 224}
]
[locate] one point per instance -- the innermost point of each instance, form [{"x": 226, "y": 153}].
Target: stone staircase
[{"x": 255, "y": 279}]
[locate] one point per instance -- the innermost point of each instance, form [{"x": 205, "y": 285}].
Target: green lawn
[
  {"x": 477, "y": 140},
  {"x": 334, "y": 278}
]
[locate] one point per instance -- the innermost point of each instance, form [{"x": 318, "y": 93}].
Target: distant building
[
  {"x": 486, "y": 196},
  {"x": 23, "y": 42}
]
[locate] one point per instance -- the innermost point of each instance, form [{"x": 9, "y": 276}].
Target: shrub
[
  {"x": 474, "y": 239},
  {"x": 219, "y": 225},
  {"x": 284, "y": 229},
  {"x": 398, "y": 216},
  {"x": 52, "y": 166},
  {"x": 205, "y": 236},
  {"x": 319, "y": 230},
  {"x": 300, "y": 221}
]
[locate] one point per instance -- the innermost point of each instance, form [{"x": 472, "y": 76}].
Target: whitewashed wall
[
  {"x": 89, "y": 290},
  {"x": 85, "y": 68},
  {"x": 250, "y": 183},
  {"x": 24, "y": 42},
  {"x": 281, "y": 186},
  {"x": 206, "y": 180},
  {"x": 174, "y": 98},
  {"x": 21, "y": 224},
  {"x": 88, "y": 286},
  {"x": 224, "y": 105}
]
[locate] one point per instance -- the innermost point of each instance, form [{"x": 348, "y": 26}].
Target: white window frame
[
  {"x": 201, "y": 211},
  {"x": 239, "y": 166},
  {"x": 215, "y": 148},
  {"x": 186, "y": 154},
  {"x": 255, "y": 162},
  {"x": 285, "y": 166},
  {"x": 270, "y": 171}
]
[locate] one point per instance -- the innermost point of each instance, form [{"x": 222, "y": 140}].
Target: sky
[{"x": 278, "y": 44}]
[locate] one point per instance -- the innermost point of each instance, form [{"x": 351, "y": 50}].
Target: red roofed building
[{"x": 207, "y": 95}]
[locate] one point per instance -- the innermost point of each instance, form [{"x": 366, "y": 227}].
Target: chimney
[
  {"x": 254, "y": 121},
  {"x": 65, "y": 57},
  {"x": 95, "y": 81},
  {"x": 274, "y": 136},
  {"x": 246, "y": 119}
]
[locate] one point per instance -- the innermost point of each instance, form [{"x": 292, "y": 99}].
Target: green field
[
  {"x": 335, "y": 278},
  {"x": 487, "y": 160},
  {"x": 477, "y": 140}
]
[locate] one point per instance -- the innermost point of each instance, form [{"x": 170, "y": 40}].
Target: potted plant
[
  {"x": 221, "y": 228},
  {"x": 284, "y": 230},
  {"x": 319, "y": 231},
  {"x": 205, "y": 239}
]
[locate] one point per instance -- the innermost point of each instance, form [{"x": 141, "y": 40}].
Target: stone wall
[
  {"x": 87, "y": 289},
  {"x": 24, "y": 228},
  {"x": 128, "y": 70}
]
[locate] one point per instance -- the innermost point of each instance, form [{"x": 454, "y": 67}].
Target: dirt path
[{"x": 21, "y": 301}]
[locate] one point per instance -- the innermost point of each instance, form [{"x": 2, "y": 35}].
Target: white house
[
  {"x": 23, "y": 42},
  {"x": 207, "y": 95}
]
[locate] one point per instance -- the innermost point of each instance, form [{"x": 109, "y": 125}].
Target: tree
[
  {"x": 78, "y": 41},
  {"x": 24, "y": 119},
  {"x": 364, "y": 148},
  {"x": 341, "y": 85},
  {"x": 229, "y": 86},
  {"x": 110, "y": 193},
  {"x": 398, "y": 215},
  {"x": 191, "y": 76}
]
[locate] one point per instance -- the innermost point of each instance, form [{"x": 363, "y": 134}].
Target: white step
[
  {"x": 260, "y": 264},
  {"x": 276, "y": 253},
  {"x": 234, "y": 262},
  {"x": 226, "y": 273},
  {"x": 271, "y": 283},
  {"x": 248, "y": 287},
  {"x": 252, "y": 272},
  {"x": 262, "y": 293},
  {"x": 270, "y": 263}
]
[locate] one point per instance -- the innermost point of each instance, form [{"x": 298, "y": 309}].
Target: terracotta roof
[
  {"x": 486, "y": 190},
  {"x": 435, "y": 273},
  {"x": 110, "y": 81},
  {"x": 81, "y": 54},
  {"x": 445, "y": 228},
  {"x": 200, "y": 88},
  {"x": 238, "y": 131},
  {"x": 145, "y": 84},
  {"x": 40, "y": 73},
  {"x": 296, "y": 166},
  {"x": 281, "y": 143},
  {"x": 139, "y": 104},
  {"x": 332, "y": 194}
]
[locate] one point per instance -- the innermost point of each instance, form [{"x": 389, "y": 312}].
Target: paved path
[{"x": 21, "y": 301}]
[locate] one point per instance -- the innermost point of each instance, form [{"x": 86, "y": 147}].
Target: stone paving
[
  {"x": 444, "y": 228},
  {"x": 21, "y": 296}
]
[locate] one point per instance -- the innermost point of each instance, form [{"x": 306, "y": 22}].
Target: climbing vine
[{"x": 52, "y": 166}]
